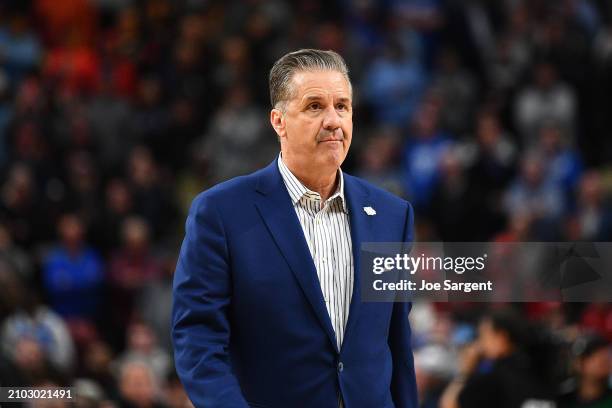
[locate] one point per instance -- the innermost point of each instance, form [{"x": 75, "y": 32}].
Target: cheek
[
  {"x": 348, "y": 134},
  {"x": 303, "y": 132}
]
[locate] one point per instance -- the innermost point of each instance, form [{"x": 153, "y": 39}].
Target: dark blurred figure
[
  {"x": 118, "y": 206},
  {"x": 593, "y": 369},
  {"x": 97, "y": 366},
  {"x": 434, "y": 368},
  {"x": 379, "y": 161},
  {"x": 132, "y": 266},
  {"x": 82, "y": 189},
  {"x": 150, "y": 118},
  {"x": 150, "y": 193},
  {"x": 455, "y": 204},
  {"x": 20, "y": 207},
  {"x": 109, "y": 118},
  {"x": 18, "y": 260},
  {"x": 457, "y": 88},
  {"x": 492, "y": 166},
  {"x": 497, "y": 369}
]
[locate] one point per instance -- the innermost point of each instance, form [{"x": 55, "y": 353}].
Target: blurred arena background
[{"x": 494, "y": 118}]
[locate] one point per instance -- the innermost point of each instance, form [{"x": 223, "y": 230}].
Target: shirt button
[{"x": 340, "y": 367}]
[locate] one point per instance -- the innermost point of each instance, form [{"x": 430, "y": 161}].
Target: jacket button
[{"x": 340, "y": 366}]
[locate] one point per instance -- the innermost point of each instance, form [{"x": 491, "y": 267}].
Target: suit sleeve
[
  {"x": 201, "y": 298},
  {"x": 403, "y": 382}
]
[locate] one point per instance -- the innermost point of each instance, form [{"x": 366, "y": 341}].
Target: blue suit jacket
[{"x": 250, "y": 326}]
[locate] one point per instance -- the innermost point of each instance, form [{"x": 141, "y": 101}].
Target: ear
[{"x": 277, "y": 120}]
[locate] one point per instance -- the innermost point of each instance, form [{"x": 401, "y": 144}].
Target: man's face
[{"x": 316, "y": 126}]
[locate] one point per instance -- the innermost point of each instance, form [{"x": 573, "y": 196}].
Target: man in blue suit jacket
[{"x": 256, "y": 322}]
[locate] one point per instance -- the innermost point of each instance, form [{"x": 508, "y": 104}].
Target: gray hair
[{"x": 283, "y": 70}]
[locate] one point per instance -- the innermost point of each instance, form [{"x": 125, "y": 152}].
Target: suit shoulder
[
  {"x": 228, "y": 191},
  {"x": 378, "y": 193}
]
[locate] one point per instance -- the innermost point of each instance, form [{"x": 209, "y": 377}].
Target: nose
[{"x": 331, "y": 120}]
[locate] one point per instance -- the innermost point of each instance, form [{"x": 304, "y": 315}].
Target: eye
[
  {"x": 342, "y": 106},
  {"x": 314, "y": 106}
]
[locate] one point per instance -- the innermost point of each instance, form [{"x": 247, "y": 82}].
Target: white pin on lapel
[{"x": 369, "y": 210}]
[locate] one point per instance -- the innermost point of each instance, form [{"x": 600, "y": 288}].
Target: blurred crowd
[{"x": 491, "y": 117}]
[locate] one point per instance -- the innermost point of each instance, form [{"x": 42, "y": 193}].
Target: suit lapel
[
  {"x": 276, "y": 209},
  {"x": 361, "y": 231}
]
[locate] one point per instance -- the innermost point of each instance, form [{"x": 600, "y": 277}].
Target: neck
[{"x": 323, "y": 181}]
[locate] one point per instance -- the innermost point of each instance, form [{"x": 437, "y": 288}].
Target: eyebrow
[{"x": 319, "y": 97}]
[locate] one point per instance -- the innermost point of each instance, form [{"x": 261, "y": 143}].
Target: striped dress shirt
[{"x": 327, "y": 232}]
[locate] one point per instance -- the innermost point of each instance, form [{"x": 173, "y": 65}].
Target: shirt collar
[{"x": 297, "y": 190}]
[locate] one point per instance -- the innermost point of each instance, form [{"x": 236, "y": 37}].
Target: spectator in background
[
  {"x": 512, "y": 54},
  {"x": 422, "y": 156},
  {"x": 109, "y": 118},
  {"x": 491, "y": 159},
  {"x": 394, "y": 85},
  {"x": 593, "y": 370},
  {"x": 496, "y": 370},
  {"x": 234, "y": 66},
  {"x": 150, "y": 197},
  {"x": 592, "y": 219},
  {"x": 149, "y": 120},
  {"x": 118, "y": 207},
  {"x": 563, "y": 164},
  {"x": 97, "y": 362},
  {"x": 457, "y": 89},
  {"x": 379, "y": 160},
  {"x": 237, "y": 141},
  {"x": 434, "y": 367},
  {"x": 73, "y": 273},
  {"x": 142, "y": 345},
  {"x": 138, "y": 386},
  {"x": 155, "y": 303},
  {"x": 546, "y": 99},
  {"x": 530, "y": 193},
  {"x": 82, "y": 189},
  {"x": 34, "y": 337},
  {"x": 131, "y": 267},
  {"x": 87, "y": 394},
  {"x": 15, "y": 258},
  {"x": 455, "y": 206},
  {"x": 20, "y": 50}
]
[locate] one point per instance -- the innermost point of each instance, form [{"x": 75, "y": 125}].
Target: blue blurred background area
[{"x": 494, "y": 118}]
